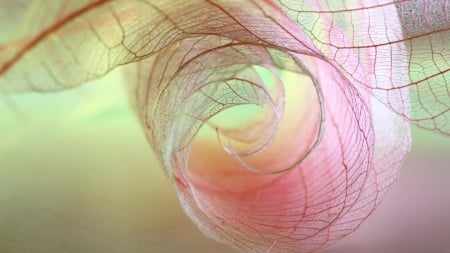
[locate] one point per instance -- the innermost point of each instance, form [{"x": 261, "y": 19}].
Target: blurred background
[{"x": 77, "y": 175}]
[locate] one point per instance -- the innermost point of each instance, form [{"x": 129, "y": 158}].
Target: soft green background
[{"x": 77, "y": 175}]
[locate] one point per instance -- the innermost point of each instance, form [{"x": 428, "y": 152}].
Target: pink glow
[{"x": 328, "y": 165}]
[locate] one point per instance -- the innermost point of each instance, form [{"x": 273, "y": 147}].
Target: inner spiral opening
[{"x": 247, "y": 145}]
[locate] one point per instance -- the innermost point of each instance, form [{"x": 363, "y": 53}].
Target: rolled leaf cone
[{"x": 328, "y": 89}]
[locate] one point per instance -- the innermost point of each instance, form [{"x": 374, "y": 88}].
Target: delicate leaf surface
[{"x": 332, "y": 85}]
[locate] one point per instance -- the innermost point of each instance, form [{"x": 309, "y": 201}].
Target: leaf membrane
[
  {"x": 315, "y": 162},
  {"x": 369, "y": 50}
]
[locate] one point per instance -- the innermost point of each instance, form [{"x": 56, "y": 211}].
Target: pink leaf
[{"x": 325, "y": 144}]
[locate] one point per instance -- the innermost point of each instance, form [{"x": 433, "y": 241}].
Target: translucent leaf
[
  {"x": 359, "y": 36},
  {"x": 328, "y": 89}
]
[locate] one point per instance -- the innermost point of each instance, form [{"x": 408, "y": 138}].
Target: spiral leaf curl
[{"x": 290, "y": 179}]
